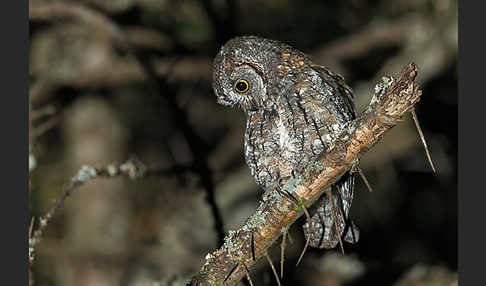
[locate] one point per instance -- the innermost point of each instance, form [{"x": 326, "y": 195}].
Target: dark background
[{"x": 96, "y": 100}]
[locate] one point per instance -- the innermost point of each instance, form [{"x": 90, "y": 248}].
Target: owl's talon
[
  {"x": 231, "y": 272},
  {"x": 300, "y": 204}
]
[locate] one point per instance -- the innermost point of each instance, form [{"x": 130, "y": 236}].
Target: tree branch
[{"x": 391, "y": 100}]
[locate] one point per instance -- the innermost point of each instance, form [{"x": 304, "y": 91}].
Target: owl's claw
[
  {"x": 230, "y": 272},
  {"x": 300, "y": 204},
  {"x": 239, "y": 262}
]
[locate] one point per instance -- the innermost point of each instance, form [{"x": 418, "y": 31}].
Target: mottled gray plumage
[{"x": 295, "y": 109}]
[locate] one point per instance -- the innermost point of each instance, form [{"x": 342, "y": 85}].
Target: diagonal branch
[{"x": 391, "y": 100}]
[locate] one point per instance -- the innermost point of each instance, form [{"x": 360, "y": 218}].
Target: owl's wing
[
  {"x": 314, "y": 107},
  {"x": 346, "y": 95},
  {"x": 330, "y": 220}
]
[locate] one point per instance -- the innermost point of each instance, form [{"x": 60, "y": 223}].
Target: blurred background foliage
[{"x": 112, "y": 79}]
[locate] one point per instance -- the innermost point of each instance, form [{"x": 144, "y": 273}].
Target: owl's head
[{"x": 244, "y": 72}]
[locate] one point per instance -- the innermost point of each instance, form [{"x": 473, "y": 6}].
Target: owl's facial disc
[{"x": 243, "y": 87}]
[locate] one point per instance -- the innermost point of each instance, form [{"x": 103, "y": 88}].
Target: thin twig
[
  {"x": 44, "y": 127},
  {"x": 308, "y": 218},
  {"x": 422, "y": 138},
  {"x": 291, "y": 240},
  {"x": 252, "y": 245},
  {"x": 31, "y": 226},
  {"x": 230, "y": 272},
  {"x": 273, "y": 268},
  {"x": 248, "y": 274},
  {"x": 363, "y": 177},
  {"x": 282, "y": 253},
  {"x": 42, "y": 112}
]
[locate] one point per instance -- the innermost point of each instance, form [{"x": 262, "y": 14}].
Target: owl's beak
[{"x": 222, "y": 101}]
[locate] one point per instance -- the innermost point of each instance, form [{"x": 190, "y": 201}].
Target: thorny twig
[{"x": 391, "y": 101}]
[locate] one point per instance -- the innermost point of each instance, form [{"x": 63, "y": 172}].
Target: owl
[{"x": 295, "y": 110}]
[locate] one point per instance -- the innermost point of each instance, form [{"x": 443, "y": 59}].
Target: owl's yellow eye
[{"x": 242, "y": 86}]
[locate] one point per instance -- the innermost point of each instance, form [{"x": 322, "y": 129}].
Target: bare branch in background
[
  {"x": 199, "y": 150},
  {"x": 132, "y": 169}
]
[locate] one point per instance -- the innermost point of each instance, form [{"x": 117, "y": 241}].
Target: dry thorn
[
  {"x": 308, "y": 219},
  {"x": 290, "y": 238},
  {"x": 31, "y": 227},
  {"x": 363, "y": 177},
  {"x": 248, "y": 274},
  {"x": 282, "y": 253},
  {"x": 422, "y": 138},
  {"x": 273, "y": 268},
  {"x": 44, "y": 127},
  {"x": 252, "y": 245},
  {"x": 42, "y": 112},
  {"x": 335, "y": 221}
]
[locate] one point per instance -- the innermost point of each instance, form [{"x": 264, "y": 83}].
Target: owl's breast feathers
[{"x": 311, "y": 110}]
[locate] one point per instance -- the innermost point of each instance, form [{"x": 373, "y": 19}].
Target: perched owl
[{"x": 295, "y": 110}]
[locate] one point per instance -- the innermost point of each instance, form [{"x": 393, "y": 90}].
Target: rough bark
[{"x": 392, "y": 99}]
